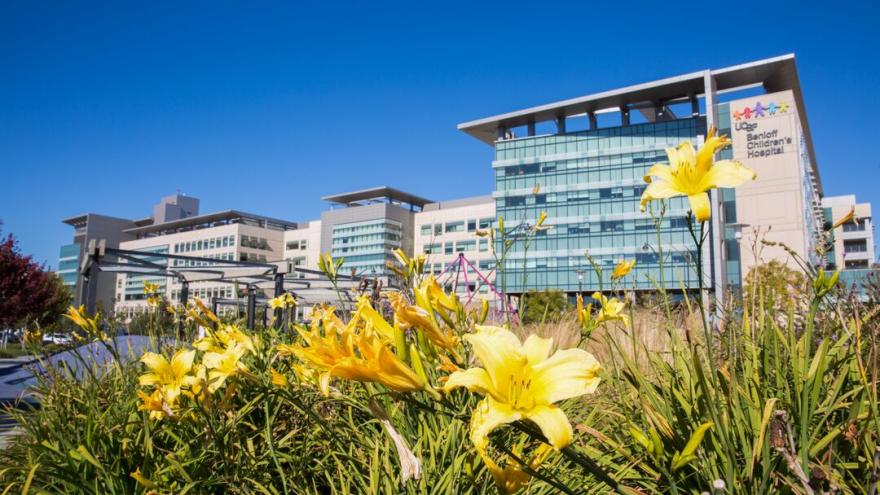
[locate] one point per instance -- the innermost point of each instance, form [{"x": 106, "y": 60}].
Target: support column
[
  {"x": 530, "y": 128},
  {"x": 714, "y": 268},
  {"x": 89, "y": 271},
  {"x": 500, "y": 132},
  {"x": 695, "y": 105},
  {"x": 251, "y": 306},
  {"x": 591, "y": 117},
  {"x": 279, "y": 290},
  {"x": 624, "y": 115},
  {"x": 560, "y": 124},
  {"x": 184, "y": 299}
]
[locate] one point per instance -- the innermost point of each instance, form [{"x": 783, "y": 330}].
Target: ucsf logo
[{"x": 746, "y": 126}]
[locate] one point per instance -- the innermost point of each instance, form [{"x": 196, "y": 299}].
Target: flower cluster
[{"x": 222, "y": 353}]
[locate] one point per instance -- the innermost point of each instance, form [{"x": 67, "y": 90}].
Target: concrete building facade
[
  {"x": 853, "y": 242},
  {"x": 227, "y": 235}
]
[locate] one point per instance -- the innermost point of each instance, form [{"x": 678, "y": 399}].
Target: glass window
[
  {"x": 426, "y": 229},
  {"x": 471, "y": 225},
  {"x": 484, "y": 245},
  {"x": 455, "y": 227},
  {"x": 447, "y": 248}
]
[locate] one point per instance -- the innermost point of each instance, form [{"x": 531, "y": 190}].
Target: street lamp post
[{"x": 580, "y": 274}]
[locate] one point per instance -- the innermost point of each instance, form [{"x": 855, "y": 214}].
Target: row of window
[
  {"x": 261, "y": 258},
  {"x": 229, "y": 256},
  {"x": 470, "y": 225},
  {"x": 299, "y": 245},
  {"x": 855, "y": 246},
  {"x": 254, "y": 242},
  {"x": 201, "y": 244},
  {"x": 854, "y": 227},
  {"x": 457, "y": 247}
]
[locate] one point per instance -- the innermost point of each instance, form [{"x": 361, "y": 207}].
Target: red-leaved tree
[{"x": 28, "y": 292}]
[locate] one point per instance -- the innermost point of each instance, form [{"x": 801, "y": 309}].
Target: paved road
[{"x": 17, "y": 374}]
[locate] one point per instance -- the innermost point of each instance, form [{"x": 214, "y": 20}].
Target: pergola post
[
  {"x": 184, "y": 299},
  {"x": 279, "y": 290},
  {"x": 251, "y": 306},
  {"x": 89, "y": 272}
]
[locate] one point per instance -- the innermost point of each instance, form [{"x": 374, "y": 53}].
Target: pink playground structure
[{"x": 457, "y": 271}]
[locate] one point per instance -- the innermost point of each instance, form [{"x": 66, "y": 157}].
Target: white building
[
  {"x": 853, "y": 241},
  {"x": 226, "y": 235},
  {"x": 446, "y": 232}
]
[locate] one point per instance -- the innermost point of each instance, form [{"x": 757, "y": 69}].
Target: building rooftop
[
  {"x": 82, "y": 220},
  {"x": 376, "y": 195},
  {"x": 460, "y": 203},
  {"x": 773, "y": 74},
  {"x": 211, "y": 220}
]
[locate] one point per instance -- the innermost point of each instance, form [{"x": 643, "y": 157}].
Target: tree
[
  {"x": 774, "y": 284},
  {"x": 28, "y": 292},
  {"x": 543, "y": 306}
]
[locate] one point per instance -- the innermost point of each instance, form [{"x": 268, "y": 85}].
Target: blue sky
[{"x": 265, "y": 107}]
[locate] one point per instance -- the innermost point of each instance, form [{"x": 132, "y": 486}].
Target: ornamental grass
[{"x": 412, "y": 391}]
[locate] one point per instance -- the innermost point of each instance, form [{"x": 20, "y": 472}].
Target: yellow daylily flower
[
  {"x": 220, "y": 339},
  {"x": 150, "y": 288},
  {"x": 224, "y": 365},
  {"x": 360, "y": 357},
  {"x": 171, "y": 376},
  {"x": 512, "y": 478},
  {"x": 522, "y": 381},
  {"x": 79, "y": 317},
  {"x": 143, "y": 480},
  {"x": 283, "y": 301},
  {"x": 692, "y": 174},
  {"x": 278, "y": 379},
  {"x": 155, "y": 404},
  {"x": 622, "y": 269},
  {"x": 611, "y": 309},
  {"x": 849, "y": 217},
  {"x": 366, "y": 313},
  {"x": 409, "y": 316},
  {"x": 541, "y": 219}
]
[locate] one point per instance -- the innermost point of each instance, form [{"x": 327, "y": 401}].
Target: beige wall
[
  {"x": 306, "y": 257},
  {"x": 840, "y": 207},
  {"x": 775, "y": 204}
]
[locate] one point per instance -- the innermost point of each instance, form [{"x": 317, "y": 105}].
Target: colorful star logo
[
  {"x": 758, "y": 111},
  {"x": 783, "y": 107},
  {"x": 737, "y": 115},
  {"x": 771, "y": 108},
  {"x": 747, "y": 113}
]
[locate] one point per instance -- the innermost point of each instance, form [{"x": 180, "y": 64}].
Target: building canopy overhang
[
  {"x": 376, "y": 195},
  {"x": 773, "y": 74}
]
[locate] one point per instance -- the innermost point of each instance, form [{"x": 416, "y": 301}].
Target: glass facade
[
  {"x": 732, "y": 245},
  {"x": 366, "y": 246},
  {"x": 589, "y": 183},
  {"x": 68, "y": 264}
]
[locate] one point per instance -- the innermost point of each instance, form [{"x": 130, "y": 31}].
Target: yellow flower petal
[
  {"x": 658, "y": 190},
  {"x": 536, "y": 348},
  {"x": 567, "y": 373},
  {"x": 473, "y": 379},
  {"x": 498, "y": 349},
  {"x": 700, "y": 206},
  {"x": 726, "y": 173},
  {"x": 488, "y": 415},
  {"x": 660, "y": 171},
  {"x": 553, "y": 424}
]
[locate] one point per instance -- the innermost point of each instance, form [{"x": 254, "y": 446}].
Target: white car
[{"x": 57, "y": 339}]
